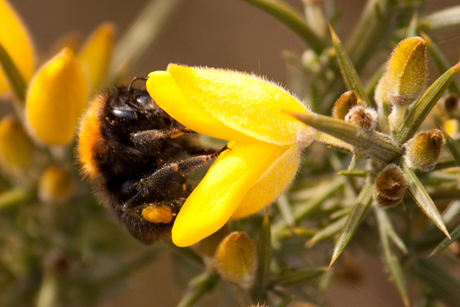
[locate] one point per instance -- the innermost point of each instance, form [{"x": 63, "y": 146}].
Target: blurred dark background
[{"x": 217, "y": 33}]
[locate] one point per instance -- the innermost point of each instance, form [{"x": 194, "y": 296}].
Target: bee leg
[
  {"x": 152, "y": 136},
  {"x": 167, "y": 171}
]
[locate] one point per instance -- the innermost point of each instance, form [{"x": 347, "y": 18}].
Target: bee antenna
[{"x": 134, "y": 80}]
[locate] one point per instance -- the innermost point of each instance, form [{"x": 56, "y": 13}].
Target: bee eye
[
  {"x": 144, "y": 100},
  {"x": 127, "y": 114}
]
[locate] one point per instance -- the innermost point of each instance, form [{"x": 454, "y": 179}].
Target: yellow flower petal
[
  {"x": 227, "y": 104},
  {"x": 166, "y": 93},
  {"x": 271, "y": 184},
  {"x": 16, "y": 147},
  {"x": 17, "y": 43},
  {"x": 56, "y": 98},
  {"x": 96, "y": 54},
  {"x": 220, "y": 192}
]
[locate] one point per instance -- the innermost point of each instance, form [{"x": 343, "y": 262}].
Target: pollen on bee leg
[
  {"x": 305, "y": 137},
  {"x": 157, "y": 214}
]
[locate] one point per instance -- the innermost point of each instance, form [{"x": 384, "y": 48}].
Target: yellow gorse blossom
[
  {"x": 95, "y": 55},
  {"x": 58, "y": 91},
  {"x": 15, "y": 39},
  {"x": 56, "y": 98},
  {"x": 264, "y": 148}
]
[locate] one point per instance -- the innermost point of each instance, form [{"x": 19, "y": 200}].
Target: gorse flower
[
  {"x": 264, "y": 148},
  {"x": 16, "y": 42},
  {"x": 58, "y": 92},
  {"x": 56, "y": 98}
]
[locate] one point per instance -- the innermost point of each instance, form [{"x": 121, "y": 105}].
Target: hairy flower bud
[
  {"x": 389, "y": 186},
  {"x": 407, "y": 71},
  {"x": 345, "y": 102},
  {"x": 366, "y": 118},
  {"x": 236, "y": 259},
  {"x": 55, "y": 186},
  {"x": 405, "y": 78},
  {"x": 423, "y": 150}
]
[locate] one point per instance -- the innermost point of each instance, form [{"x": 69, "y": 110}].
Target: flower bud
[
  {"x": 56, "y": 185},
  {"x": 451, "y": 105},
  {"x": 16, "y": 148},
  {"x": 366, "y": 118},
  {"x": 236, "y": 259},
  {"x": 407, "y": 71},
  {"x": 345, "y": 102},
  {"x": 385, "y": 202},
  {"x": 56, "y": 98},
  {"x": 389, "y": 186},
  {"x": 311, "y": 60},
  {"x": 423, "y": 150}
]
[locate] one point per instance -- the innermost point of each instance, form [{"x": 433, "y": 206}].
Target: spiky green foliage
[{"x": 72, "y": 254}]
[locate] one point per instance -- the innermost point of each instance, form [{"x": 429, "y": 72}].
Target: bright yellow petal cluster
[
  {"x": 264, "y": 148},
  {"x": 16, "y": 41},
  {"x": 96, "y": 54},
  {"x": 58, "y": 93},
  {"x": 56, "y": 98}
]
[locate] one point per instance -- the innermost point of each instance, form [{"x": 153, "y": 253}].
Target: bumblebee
[{"x": 131, "y": 150}]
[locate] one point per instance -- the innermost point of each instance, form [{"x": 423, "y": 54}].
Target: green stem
[
  {"x": 199, "y": 286},
  {"x": 14, "y": 196},
  {"x": 291, "y": 18},
  {"x": 47, "y": 294},
  {"x": 14, "y": 76}
]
